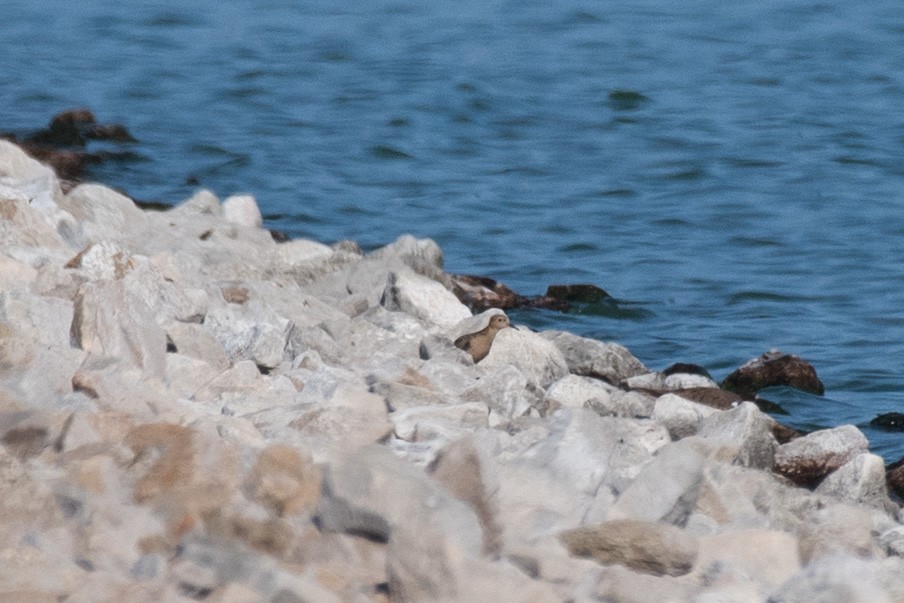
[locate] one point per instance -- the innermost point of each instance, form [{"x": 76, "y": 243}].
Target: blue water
[{"x": 733, "y": 173}]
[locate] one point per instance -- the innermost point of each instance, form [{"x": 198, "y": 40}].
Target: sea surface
[{"x": 732, "y": 173}]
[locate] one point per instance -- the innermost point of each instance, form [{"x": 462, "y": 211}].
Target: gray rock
[
  {"x": 373, "y": 349},
  {"x": 193, "y": 340},
  {"x": 423, "y": 256},
  {"x": 249, "y": 331},
  {"x": 442, "y": 347},
  {"x": 459, "y": 468},
  {"x": 631, "y": 404},
  {"x": 507, "y": 393},
  {"x": 584, "y": 356},
  {"x": 202, "y": 202},
  {"x": 430, "y": 534},
  {"x": 845, "y": 579},
  {"x": 402, "y": 396},
  {"x": 743, "y": 436},
  {"x": 666, "y": 489},
  {"x": 860, "y": 480},
  {"x": 558, "y": 478}
]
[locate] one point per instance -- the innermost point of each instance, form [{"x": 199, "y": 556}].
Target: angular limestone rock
[
  {"x": 109, "y": 321},
  {"x": 860, "y": 480},
  {"x": 424, "y": 298},
  {"x": 743, "y": 436},
  {"x": 680, "y": 416},
  {"x": 539, "y": 360},
  {"x": 666, "y": 489},
  {"x": 584, "y": 356},
  {"x": 808, "y": 459}
]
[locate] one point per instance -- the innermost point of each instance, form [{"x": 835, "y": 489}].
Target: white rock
[
  {"x": 423, "y": 298},
  {"x": 302, "y": 251},
  {"x": 539, "y": 359},
  {"x": 427, "y": 422},
  {"x": 104, "y": 213},
  {"x": 688, "y": 380},
  {"x": 576, "y": 391},
  {"x": 767, "y": 557},
  {"x": 817, "y": 454},
  {"x": 110, "y": 321},
  {"x": 242, "y": 210},
  {"x": 202, "y": 202},
  {"x": 21, "y": 225},
  {"x": 680, "y": 416}
]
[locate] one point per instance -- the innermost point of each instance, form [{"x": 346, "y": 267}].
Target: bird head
[{"x": 498, "y": 322}]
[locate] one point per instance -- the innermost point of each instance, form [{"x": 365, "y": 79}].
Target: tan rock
[
  {"x": 168, "y": 452},
  {"x": 654, "y": 548},
  {"x": 458, "y": 468},
  {"x": 284, "y": 480}
]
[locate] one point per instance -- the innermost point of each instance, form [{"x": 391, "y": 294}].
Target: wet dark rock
[
  {"x": 774, "y": 368},
  {"x": 710, "y": 396},
  {"x": 74, "y": 127},
  {"x": 890, "y": 421},
  {"x": 894, "y": 477},
  {"x": 61, "y": 145},
  {"x": 111, "y": 132},
  {"x": 482, "y": 293},
  {"x": 583, "y": 294},
  {"x": 688, "y": 368},
  {"x": 66, "y": 129},
  {"x": 784, "y": 434}
]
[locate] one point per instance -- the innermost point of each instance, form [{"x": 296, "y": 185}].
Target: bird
[{"x": 478, "y": 344}]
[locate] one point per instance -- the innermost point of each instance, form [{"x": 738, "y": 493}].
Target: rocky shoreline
[{"x": 191, "y": 410}]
